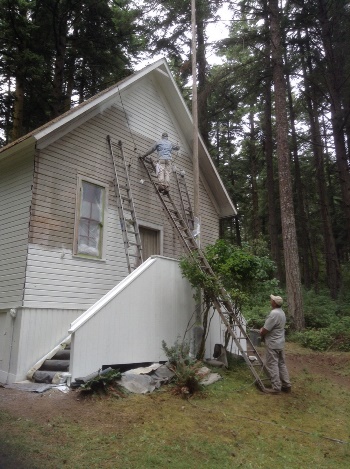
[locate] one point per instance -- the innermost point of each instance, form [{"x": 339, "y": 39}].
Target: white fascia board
[{"x": 23, "y": 146}]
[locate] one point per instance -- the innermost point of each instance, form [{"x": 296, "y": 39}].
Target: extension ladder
[
  {"x": 185, "y": 199},
  {"x": 126, "y": 209},
  {"x": 231, "y": 317}
]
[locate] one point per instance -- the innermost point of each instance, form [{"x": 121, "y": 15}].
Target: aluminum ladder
[
  {"x": 125, "y": 204},
  {"x": 231, "y": 317},
  {"x": 185, "y": 198}
]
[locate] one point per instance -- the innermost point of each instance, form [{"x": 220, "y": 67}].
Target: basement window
[{"x": 90, "y": 219}]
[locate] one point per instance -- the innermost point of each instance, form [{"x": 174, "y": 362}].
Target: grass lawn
[{"x": 231, "y": 425}]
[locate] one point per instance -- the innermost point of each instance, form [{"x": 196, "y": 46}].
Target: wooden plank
[
  {"x": 13, "y": 238},
  {"x": 82, "y": 273}
]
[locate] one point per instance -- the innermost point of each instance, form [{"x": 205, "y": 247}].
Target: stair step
[
  {"x": 62, "y": 355},
  {"x": 55, "y": 365},
  {"x": 44, "y": 376}
]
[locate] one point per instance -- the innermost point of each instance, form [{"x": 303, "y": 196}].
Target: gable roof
[{"x": 56, "y": 128}]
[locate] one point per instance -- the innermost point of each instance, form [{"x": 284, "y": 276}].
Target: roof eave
[{"x": 19, "y": 146}]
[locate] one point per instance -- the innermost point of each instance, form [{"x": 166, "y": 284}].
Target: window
[{"x": 89, "y": 228}]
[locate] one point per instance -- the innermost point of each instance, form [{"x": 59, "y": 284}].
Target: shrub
[
  {"x": 104, "y": 383},
  {"x": 186, "y": 381},
  {"x": 319, "y": 309},
  {"x": 334, "y": 337},
  {"x": 246, "y": 276},
  {"x": 313, "y": 338}
]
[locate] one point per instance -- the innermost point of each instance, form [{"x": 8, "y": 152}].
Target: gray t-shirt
[{"x": 275, "y": 324}]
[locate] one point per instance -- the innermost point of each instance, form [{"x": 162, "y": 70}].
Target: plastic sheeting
[{"x": 91, "y": 220}]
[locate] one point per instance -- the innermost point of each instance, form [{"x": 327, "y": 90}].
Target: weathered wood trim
[{"x": 80, "y": 180}]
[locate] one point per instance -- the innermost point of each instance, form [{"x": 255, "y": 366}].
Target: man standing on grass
[{"x": 273, "y": 333}]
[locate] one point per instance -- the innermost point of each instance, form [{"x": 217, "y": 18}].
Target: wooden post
[
  {"x": 195, "y": 145},
  {"x": 195, "y": 113}
]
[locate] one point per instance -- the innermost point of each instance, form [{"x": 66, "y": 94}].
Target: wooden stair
[{"x": 52, "y": 369}]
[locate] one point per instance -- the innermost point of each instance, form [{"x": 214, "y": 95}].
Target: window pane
[
  {"x": 91, "y": 218},
  {"x": 89, "y": 237},
  {"x": 91, "y": 206}
]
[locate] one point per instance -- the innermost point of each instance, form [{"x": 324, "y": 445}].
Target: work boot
[
  {"x": 272, "y": 391},
  {"x": 286, "y": 389}
]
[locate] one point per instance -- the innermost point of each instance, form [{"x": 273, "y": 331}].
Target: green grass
[{"x": 232, "y": 425}]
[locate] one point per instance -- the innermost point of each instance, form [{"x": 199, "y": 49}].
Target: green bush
[
  {"x": 319, "y": 309},
  {"x": 316, "y": 339},
  {"x": 186, "y": 381},
  {"x": 327, "y": 322},
  {"x": 178, "y": 353},
  {"x": 334, "y": 337},
  {"x": 246, "y": 275},
  {"x": 103, "y": 384}
]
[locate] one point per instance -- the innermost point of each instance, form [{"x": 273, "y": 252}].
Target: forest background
[{"x": 274, "y": 112}]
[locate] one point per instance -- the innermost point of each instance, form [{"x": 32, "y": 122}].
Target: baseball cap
[{"x": 277, "y": 299}]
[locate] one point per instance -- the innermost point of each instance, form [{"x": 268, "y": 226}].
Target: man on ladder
[{"x": 163, "y": 168}]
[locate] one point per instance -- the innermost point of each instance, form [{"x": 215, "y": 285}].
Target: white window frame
[{"x": 102, "y": 256}]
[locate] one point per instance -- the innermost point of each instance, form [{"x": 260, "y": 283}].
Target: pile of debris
[{"x": 141, "y": 380}]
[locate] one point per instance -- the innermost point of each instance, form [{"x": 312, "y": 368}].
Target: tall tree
[
  {"x": 170, "y": 32},
  {"x": 268, "y": 149},
  {"x": 311, "y": 98},
  {"x": 57, "y": 52},
  {"x": 329, "y": 16},
  {"x": 291, "y": 256}
]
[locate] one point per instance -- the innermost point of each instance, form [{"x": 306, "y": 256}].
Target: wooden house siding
[
  {"x": 56, "y": 278},
  {"x": 16, "y": 178}
]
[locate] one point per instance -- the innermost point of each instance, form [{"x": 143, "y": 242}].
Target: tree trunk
[
  {"x": 330, "y": 253},
  {"x": 61, "y": 31},
  {"x": 291, "y": 258},
  {"x": 334, "y": 77},
  {"x": 268, "y": 153},
  {"x": 238, "y": 231},
  {"x": 17, "y": 128},
  {"x": 303, "y": 221},
  {"x": 256, "y": 225},
  {"x": 203, "y": 122}
]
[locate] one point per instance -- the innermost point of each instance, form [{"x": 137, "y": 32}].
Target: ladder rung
[{"x": 119, "y": 166}]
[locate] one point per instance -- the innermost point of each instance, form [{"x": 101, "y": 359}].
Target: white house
[{"x": 48, "y": 287}]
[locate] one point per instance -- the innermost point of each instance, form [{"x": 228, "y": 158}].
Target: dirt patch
[
  {"x": 40, "y": 406},
  {"x": 334, "y": 367}
]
